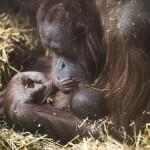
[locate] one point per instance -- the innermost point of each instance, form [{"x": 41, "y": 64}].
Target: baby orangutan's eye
[{"x": 29, "y": 84}]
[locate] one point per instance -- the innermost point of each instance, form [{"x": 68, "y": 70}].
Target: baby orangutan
[{"x": 31, "y": 99}]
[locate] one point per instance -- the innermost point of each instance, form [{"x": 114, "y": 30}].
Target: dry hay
[
  {"x": 16, "y": 51},
  {"x": 16, "y": 47}
]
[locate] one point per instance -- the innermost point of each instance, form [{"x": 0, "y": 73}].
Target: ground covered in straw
[{"x": 17, "y": 49}]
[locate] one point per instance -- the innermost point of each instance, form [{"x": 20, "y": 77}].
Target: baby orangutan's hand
[{"x": 66, "y": 84}]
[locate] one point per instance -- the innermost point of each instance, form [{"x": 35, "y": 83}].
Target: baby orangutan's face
[{"x": 30, "y": 86}]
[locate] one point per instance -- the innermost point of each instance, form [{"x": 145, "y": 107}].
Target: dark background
[{"x": 6, "y": 5}]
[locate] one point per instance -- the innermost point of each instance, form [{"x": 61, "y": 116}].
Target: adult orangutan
[{"x": 113, "y": 50}]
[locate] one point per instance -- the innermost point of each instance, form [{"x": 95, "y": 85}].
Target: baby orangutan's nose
[{"x": 43, "y": 87}]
